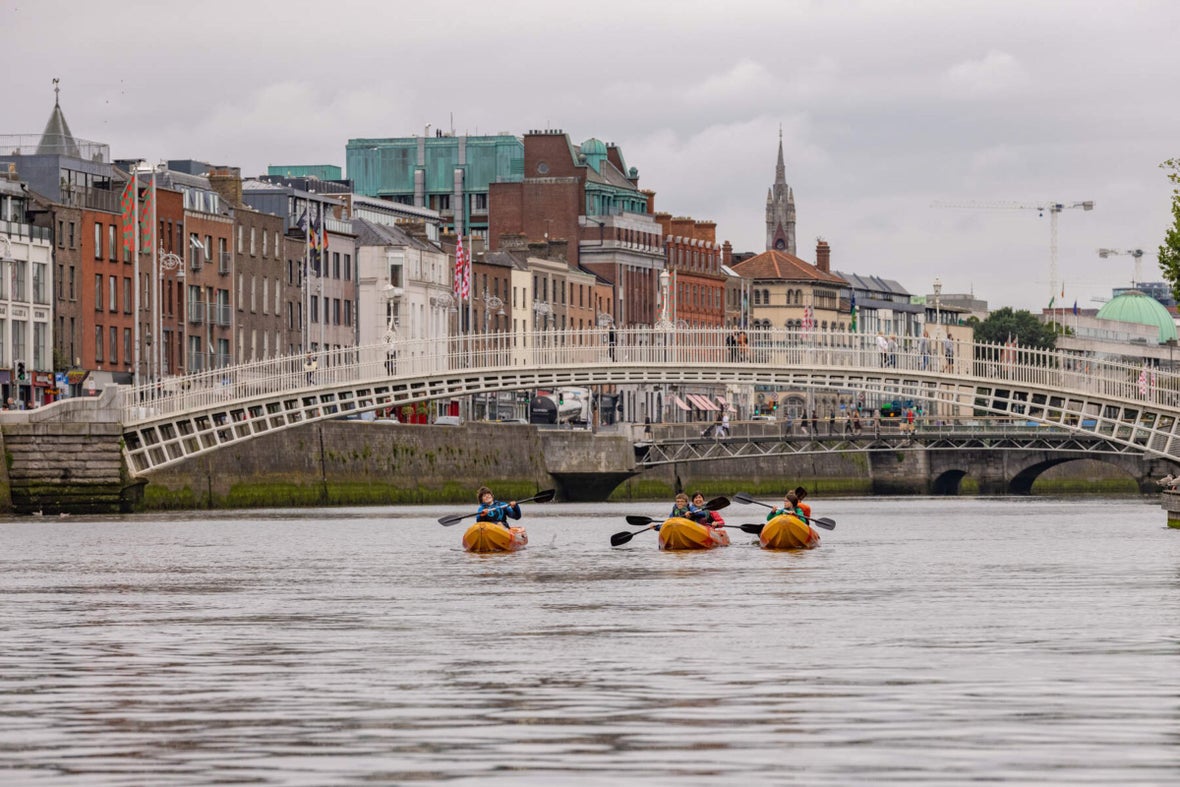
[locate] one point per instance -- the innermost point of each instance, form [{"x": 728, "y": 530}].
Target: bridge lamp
[{"x": 937, "y": 296}]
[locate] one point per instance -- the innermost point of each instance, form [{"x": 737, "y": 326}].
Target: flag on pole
[
  {"x": 808, "y": 318},
  {"x": 462, "y": 272},
  {"x": 1052, "y": 300},
  {"x": 313, "y": 243},
  {"x": 852, "y": 311},
  {"x": 146, "y": 234},
  {"x": 1075, "y": 307},
  {"x": 127, "y": 206}
]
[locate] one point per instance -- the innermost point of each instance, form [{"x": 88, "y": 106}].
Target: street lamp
[
  {"x": 937, "y": 296},
  {"x": 664, "y": 323},
  {"x": 490, "y": 303},
  {"x": 167, "y": 262},
  {"x": 391, "y": 293}
]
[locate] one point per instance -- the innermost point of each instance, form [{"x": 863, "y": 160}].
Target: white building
[{"x": 26, "y": 287}]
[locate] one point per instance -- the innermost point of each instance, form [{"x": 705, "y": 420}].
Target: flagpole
[
  {"x": 320, "y": 276},
  {"x": 307, "y": 279},
  {"x": 158, "y": 356},
  {"x": 135, "y": 270}
]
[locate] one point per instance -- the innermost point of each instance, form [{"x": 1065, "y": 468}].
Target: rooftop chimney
[{"x": 823, "y": 256}]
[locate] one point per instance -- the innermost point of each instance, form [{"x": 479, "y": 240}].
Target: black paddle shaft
[{"x": 540, "y": 497}]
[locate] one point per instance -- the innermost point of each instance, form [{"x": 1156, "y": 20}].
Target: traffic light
[
  {"x": 21, "y": 376},
  {"x": 560, "y": 397},
  {"x": 774, "y": 405}
]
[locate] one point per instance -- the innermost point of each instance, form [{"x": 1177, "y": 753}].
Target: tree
[
  {"x": 1169, "y": 253},
  {"x": 1023, "y": 326}
]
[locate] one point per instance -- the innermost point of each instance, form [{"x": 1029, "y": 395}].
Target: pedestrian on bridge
[
  {"x": 948, "y": 349},
  {"x": 924, "y": 349}
]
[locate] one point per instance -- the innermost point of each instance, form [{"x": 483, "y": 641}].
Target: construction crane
[
  {"x": 1052, "y": 206},
  {"x": 1136, "y": 253}
]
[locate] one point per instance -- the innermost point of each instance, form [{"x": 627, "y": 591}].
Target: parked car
[
  {"x": 760, "y": 417},
  {"x": 448, "y": 420}
]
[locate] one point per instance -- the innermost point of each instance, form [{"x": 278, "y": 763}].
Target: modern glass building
[{"x": 448, "y": 174}]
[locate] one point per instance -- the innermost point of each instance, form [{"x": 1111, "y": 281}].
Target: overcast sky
[{"x": 885, "y": 107}]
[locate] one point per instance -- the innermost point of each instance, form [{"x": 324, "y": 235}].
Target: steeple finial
[{"x": 57, "y": 95}]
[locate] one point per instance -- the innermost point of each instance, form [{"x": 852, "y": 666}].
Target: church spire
[
  {"x": 780, "y": 171},
  {"x": 57, "y": 139},
  {"x": 780, "y": 207}
]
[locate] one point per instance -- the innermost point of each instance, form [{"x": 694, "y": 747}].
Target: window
[
  {"x": 61, "y": 234},
  {"x": 114, "y": 345},
  {"x": 111, "y": 245},
  {"x": 253, "y": 251},
  {"x": 264, "y": 239},
  {"x": 335, "y": 265},
  {"x": 39, "y": 293},
  {"x": 335, "y": 311},
  {"x": 61, "y": 282},
  {"x": 98, "y": 292},
  {"x": 71, "y": 234},
  {"x": 348, "y": 313},
  {"x": 128, "y": 301},
  {"x": 241, "y": 231},
  {"x": 98, "y": 331},
  {"x": 114, "y": 294},
  {"x": 348, "y": 267},
  {"x": 127, "y": 343},
  {"x": 97, "y": 241}
]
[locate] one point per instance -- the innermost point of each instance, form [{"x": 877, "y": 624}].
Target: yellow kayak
[
  {"x": 494, "y": 537},
  {"x": 677, "y": 533},
  {"x": 788, "y": 532}
]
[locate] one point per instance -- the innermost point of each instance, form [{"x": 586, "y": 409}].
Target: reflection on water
[{"x": 927, "y": 640}]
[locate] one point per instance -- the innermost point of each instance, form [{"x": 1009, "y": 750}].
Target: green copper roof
[{"x": 1134, "y": 306}]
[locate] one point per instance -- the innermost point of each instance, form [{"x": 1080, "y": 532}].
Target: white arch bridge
[{"x": 182, "y": 417}]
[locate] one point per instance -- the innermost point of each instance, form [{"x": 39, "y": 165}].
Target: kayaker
[
  {"x": 685, "y": 510},
  {"x": 715, "y": 520},
  {"x": 790, "y": 506},
  {"x": 800, "y": 495},
  {"x": 492, "y": 510}
]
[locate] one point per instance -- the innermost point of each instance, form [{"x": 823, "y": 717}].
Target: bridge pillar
[{"x": 901, "y": 472}]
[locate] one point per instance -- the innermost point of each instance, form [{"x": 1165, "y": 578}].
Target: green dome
[{"x": 1134, "y": 306}]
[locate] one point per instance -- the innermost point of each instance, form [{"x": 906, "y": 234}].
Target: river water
[{"x": 927, "y": 640}]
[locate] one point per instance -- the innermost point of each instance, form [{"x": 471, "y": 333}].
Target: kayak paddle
[
  {"x": 818, "y": 521},
  {"x": 540, "y": 497}
]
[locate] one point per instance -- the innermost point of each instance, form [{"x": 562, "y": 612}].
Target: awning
[
  {"x": 702, "y": 402},
  {"x": 680, "y": 403},
  {"x": 724, "y": 404}
]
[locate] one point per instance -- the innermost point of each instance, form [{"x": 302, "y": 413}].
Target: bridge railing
[{"x": 979, "y": 364}]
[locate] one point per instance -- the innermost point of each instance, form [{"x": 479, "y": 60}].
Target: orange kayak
[
  {"x": 494, "y": 537},
  {"x": 677, "y": 533},
  {"x": 788, "y": 532}
]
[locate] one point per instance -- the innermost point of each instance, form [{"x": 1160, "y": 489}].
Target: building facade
[{"x": 445, "y": 173}]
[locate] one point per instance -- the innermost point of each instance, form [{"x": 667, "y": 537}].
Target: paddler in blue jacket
[
  {"x": 698, "y": 502},
  {"x": 492, "y": 510},
  {"x": 686, "y": 510}
]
